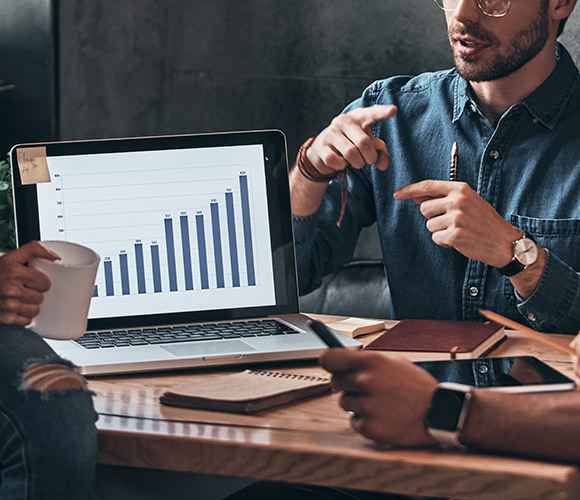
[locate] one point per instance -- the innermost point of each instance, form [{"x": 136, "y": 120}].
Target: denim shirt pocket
[{"x": 561, "y": 237}]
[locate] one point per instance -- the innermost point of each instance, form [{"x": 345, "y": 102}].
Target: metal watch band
[{"x": 443, "y": 436}]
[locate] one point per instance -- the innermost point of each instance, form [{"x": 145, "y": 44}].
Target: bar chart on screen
[{"x": 189, "y": 223}]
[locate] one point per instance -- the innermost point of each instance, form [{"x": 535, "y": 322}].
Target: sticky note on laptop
[{"x": 32, "y": 165}]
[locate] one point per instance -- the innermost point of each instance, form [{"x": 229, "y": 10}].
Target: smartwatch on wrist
[
  {"x": 525, "y": 253},
  {"x": 447, "y": 413}
]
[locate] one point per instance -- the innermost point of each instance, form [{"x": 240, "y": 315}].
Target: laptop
[{"x": 196, "y": 244}]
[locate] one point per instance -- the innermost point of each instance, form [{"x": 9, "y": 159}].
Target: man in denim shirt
[{"x": 512, "y": 105}]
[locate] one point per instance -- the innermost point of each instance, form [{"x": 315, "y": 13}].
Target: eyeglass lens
[{"x": 494, "y": 8}]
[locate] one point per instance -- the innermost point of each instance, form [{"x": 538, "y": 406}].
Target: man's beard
[{"x": 523, "y": 47}]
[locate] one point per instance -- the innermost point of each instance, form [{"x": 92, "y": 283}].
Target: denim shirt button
[
  {"x": 532, "y": 317},
  {"x": 494, "y": 154},
  {"x": 473, "y": 291},
  {"x": 483, "y": 369},
  {"x": 472, "y": 107}
]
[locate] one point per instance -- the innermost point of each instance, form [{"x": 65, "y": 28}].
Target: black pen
[{"x": 324, "y": 333}]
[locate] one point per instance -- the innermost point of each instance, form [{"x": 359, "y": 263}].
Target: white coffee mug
[{"x": 65, "y": 308}]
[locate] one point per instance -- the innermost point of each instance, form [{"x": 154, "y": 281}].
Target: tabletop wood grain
[{"x": 311, "y": 441}]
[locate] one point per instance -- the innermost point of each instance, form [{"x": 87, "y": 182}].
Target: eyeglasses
[{"x": 491, "y": 8}]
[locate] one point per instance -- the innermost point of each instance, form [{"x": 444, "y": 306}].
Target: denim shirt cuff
[
  {"x": 304, "y": 227},
  {"x": 555, "y": 298}
]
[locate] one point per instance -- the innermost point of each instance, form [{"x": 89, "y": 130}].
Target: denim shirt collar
[{"x": 545, "y": 104}]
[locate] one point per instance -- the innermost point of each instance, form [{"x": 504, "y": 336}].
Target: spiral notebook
[{"x": 249, "y": 391}]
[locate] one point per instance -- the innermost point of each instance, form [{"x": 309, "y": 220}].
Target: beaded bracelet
[{"x": 311, "y": 173}]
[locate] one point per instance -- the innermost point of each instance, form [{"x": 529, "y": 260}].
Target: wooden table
[{"x": 311, "y": 442}]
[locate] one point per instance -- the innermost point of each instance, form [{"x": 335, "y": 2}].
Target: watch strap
[{"x": 513, "y": 268}]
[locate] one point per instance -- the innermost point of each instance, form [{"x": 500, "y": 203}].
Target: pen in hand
[
  {"x": 324, "y": 333},
  {"x": 453, "y": 167}
]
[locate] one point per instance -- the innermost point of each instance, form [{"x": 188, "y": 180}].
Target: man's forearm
[
  {"x": 305, "y": 195},
  {"x": 540, "y": 425}
]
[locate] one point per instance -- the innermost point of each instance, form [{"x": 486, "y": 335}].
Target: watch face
[
  {"x": 526, "y": 251},
  {"x": 445, "y": 409}
]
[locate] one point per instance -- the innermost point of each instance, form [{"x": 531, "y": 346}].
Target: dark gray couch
[{"x": 359, "y": 288}]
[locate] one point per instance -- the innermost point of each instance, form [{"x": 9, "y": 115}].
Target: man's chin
[
  {"x": 473, "y": 70},
  {"x": 468, "y": 70}
]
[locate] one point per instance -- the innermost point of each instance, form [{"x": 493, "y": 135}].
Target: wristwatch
[
  {"x": 447, "y": 413},
  {"x": 525, "y": 253}
]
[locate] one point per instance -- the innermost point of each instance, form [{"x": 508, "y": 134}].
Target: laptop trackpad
[{"x": 209, "y": 348}]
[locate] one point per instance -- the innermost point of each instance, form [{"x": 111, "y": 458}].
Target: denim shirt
[{"x": 527, "y": 168}]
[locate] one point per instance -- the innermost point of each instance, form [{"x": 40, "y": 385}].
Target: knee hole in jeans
[{"x": 47, "y": 377}]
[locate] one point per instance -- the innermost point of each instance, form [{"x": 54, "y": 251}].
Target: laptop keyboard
[{"x": 183, "y": 333}]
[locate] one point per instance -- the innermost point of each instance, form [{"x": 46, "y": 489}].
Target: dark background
[{"x": 110, "y": 68}]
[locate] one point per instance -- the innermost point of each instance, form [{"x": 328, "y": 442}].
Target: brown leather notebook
[
  {"x": 439, "y": 339},
  {"x": 249, "y": 391}
]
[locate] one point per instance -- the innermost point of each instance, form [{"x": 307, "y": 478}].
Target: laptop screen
[{"x": 188, "y": 228}]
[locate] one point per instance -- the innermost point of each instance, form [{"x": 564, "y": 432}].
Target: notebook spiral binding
[{"x": 288, "y": 375}]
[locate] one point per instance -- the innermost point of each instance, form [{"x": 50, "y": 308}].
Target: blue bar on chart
[
  {"x": 156, "y": 267},
  {"x": 109, "y": 285},
  {"x": 170, "y": 247},
  {"x": 245, "y": 198},
  {"x": 124, "y": 265},
  {"x": 217, "y": 245},
  {"x": 232, "y": 239},
  {"x": 140, "y": 268},
  {"x": 202, "y": 251},
  {"x": 186, "y": 247}
]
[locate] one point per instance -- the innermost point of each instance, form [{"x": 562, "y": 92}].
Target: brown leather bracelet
[
  {"x": 312, "y": 174},
  {"x": 307, "y": 169}
]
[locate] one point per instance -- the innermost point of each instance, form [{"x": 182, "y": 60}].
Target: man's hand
[
  {"x": 389, "y": 397},
  {"x": 22, "y": 287},
  {"x": 458, "y": 217},
  {"x": 349, "y": 140}
]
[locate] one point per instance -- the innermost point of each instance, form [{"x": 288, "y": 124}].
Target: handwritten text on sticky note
[{"x": 33, "y": 165}]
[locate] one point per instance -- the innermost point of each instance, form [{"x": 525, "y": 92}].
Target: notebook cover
[
  {"x": 249, "y": 391},
  {"x": 437, "y": 336}
]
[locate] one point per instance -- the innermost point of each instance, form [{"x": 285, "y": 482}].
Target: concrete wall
[
  {"x": 140, "y": 67},
  {"x": 571, "y": 36},
  {"x": 109, "y": 68}
]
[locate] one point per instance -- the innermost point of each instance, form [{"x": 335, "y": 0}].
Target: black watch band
[{"x": 513, "y": 268}]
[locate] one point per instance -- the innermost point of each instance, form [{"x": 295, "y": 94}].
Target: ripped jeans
[{"x": 47, "y": 424}]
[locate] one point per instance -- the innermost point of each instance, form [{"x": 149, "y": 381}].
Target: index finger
[
  {"x": 424, "y": 189},
  {"x": 367, "y": 116},
  {"x": 340, "y": 360},
  {"x": 30, "y": 250}
]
